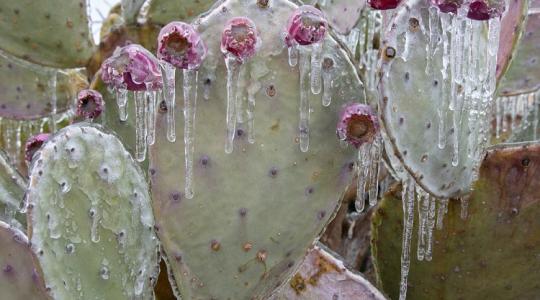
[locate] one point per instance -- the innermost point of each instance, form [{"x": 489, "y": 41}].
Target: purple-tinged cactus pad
[
  {"x": 51, "y": 33},
  {"x": 181, "y": 46},
  {"x": 307, "y": 25},
  {"x": 490, "y": 255},
  {"x": 225, "y": 241},
  {"x": 89, "y": 104},
  {"x": 19, "y": 279},
  {"x": 132, "y": 67}
]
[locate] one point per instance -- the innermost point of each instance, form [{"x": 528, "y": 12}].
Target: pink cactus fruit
[
  {"x": 89, "y": 104},
  {"x": 181, "y": 45},
  {"x": 307, "y": 25},
  {"x": 358, "y": 124},
  {"x": 240, "y": 38}
]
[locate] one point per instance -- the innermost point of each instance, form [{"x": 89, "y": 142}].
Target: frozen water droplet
[
  {"x": 96, "y": 218},
  {"x": 65, "y": 186},
  {"x": 104, "y": 272},
  {"x": 70, "y": 248},
  {"x": 293, "y": 54}
]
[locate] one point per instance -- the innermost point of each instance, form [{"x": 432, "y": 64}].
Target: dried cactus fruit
[
  {"x": 470, "y": 256},
  {"x": 90, "y": 220},
  {"x": 322, "y": 275},
  {"x": 89, "y": 104},
  {"x": 20, "y": 280},
  {"x": 227, "y": 246},
  {"x": 52, "y": 33},
  {"x": 458, "y": 122}
]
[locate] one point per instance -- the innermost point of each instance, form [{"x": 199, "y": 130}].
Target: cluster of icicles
[
  {"x": 514, "y": 114},
  {"x": 469, "y": 74},
  {"x": 240, "y": 40}
]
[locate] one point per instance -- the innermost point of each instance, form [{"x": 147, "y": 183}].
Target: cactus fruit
[
  {"x": 33, "y": 144},
  {"x": 383, "y": 4},
  {"x": 223, "y": 242},
  {"x": 89, "y": 217},
  {"x": 482, "y": 10},
  {"x": 89, "y": 104},
  {"x": 20, "y": 280},
  {"x": 52, "y": 33},
  {"x": 322, "y": 275},
  {"x": 457, "y": 122},
  {"x": 473, "y": 258}
]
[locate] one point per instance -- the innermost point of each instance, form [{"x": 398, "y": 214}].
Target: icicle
[
  {"x": 373, "y": 184},
  {"x": 464, "y": 208},
  {"x": 316, "y": 65},
  {"x": 498, "y": 117},
  {"x": 151, "y": 99},
  {"x": 304, "y": 99},
  {"x": 327, "y": 77},
  {"x": 52, "y": 88},
  {"x": 18, "y": 142},
  {"x": 443, "y": 209},
  {"x": 122, "y": 101},
  {"x": 408, "y": 222},
  {"x": 445, "y": 25},
  {"x": 293, "y": 54},
  {"x": 362, "y": 166},
  {"x": 168, "y": 72},
  {"x": 233, "y": 71},
  {"x": 190, "y": 105},
  {"x": 240, "y": 99},
  {"x": 423, "y": 206},
  {"x": 535, "y": 118},
  {"x": 433, "y": 39},
  {"x": 430, "y": 223},
  {"x": 96, "y": 217},
  {"x": 140, "y": 126},
  {"x": 251, "y": 117}
]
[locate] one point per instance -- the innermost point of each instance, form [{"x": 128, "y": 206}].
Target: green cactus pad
[
  {"x": 52, "y": 33},
  {"x": 524, "y": 71},
  {"x": 322, "y": 275},
  {"x": 411, "y": 105},
  {"x": 131, "y": 9},
  {"x": 490, "y": 255},
  {"x": 226, "y": 242},
  {"x": 165, "y": 11},
  {"x": 90, "y": 220},
  {"x": 342, "y": 14},
  {"x": 27, "y": 90},
  {"x": 12, "y": 188},
  {"x": 19, "y": 279}
]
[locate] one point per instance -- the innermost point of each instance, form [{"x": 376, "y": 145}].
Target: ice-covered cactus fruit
[
  {"x": 436, "y": 93},
  {"x": 89, "y": 217},
  {"x": 224, "y": 242},
  {"x": 472, "y": 257},
  {"x": 12, "y": 188},
  {"x": 19, "y": 279},
  {"x": 52, "y": 33},
  {"x": 322, "y": 275}
]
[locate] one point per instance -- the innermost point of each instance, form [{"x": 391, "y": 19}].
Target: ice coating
[
  {"x": 448, "y": 6},
  {"x": 358, "y": 124},
  {"x": 240, "y": 38},
  {"x": 33, "y": 144},
  {"x": 306, "y": 26},
  {"x": 132, "y": 67},
  {"x": 181, "y": 45},
  {"x": 89, "y": 104}
]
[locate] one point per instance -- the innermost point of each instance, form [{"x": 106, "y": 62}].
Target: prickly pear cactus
[
  {"x": 52, "y": 33},
  {"x": 12, "y": 188},
  {"x": 165, "y": 11},
  {"x": 225, "y": 242},
  {"x": 89, "y": 216},
  {"x": 485, "y": 256},
  {"x": 523, "y": 73},
  {"x": 29, "y": 91},
  {"x": 342, "y": 14},
  {"x": 323, "y": 276},
  {"x": 20, "y": 279},
  {"x": 434, "y": 100}
]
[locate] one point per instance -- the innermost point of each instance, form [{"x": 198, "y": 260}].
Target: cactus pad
[
  {"x": 28, "y": 91},
  {"x": 473, "y": 258},
  {"x": 225, "y": 241},
  {"x": 90, "y": 220},
  {"x": 342, "y": 14},
  {"x": 524, "y": 71},
  {"x": 436, "y": 125},
  {"x": 323, "y": 276},
  {"x": 52, "y": 33},
  {"x": 19, "y": 279},
  {"x": 12, "y": 187},
  {"x": 165, "y": 11}
]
